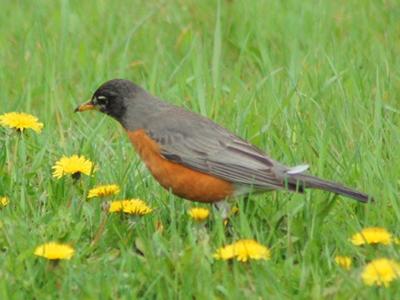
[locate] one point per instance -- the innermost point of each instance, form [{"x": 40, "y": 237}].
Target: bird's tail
[{"x": 313, "y": 182}]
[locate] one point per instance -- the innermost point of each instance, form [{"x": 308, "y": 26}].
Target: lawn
[{"x": 314, "y": 82}]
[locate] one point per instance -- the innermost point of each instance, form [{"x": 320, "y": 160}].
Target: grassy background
[{"x": 308, "y": 81}]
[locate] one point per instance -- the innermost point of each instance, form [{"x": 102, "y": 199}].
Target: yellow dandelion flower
[
  {"x": 21, "y": 121},
  {"x": 381, "y": 271},
  {"x": 372, "y": 235},
  {"x": 246, "y": 249},
  {"x": 199, "y": 214},
  {"x": 132, "y": 207},
  {"x": 243, "y": 250},
  {"x": 4, "y": 202},
  {"x": 343, "y": 261},
  {"x": 104, "y": 191},
  {"x": 74, "y": 165},
  {"x": 54, "y": 251},
  {"x": 225, "y": 253}
]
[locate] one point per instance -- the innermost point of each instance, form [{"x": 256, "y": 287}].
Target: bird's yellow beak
[{"x": 85, "y": 106}]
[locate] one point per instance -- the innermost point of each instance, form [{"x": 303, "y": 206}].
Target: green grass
[{"x": 308, "y": 81}]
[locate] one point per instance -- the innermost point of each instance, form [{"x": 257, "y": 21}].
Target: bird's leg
[{"x": 224, "y": 209}]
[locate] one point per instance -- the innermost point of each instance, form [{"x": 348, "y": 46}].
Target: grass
[{"x": 308, "y": 81}]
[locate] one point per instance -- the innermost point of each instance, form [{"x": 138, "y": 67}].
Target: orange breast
[{"x": 182, "y": 181}]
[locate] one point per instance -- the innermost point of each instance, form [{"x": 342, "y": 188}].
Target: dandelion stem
[{"x": 100, "y": 230}]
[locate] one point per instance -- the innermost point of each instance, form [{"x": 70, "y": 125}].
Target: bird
[{"x": 195, "y": 158}]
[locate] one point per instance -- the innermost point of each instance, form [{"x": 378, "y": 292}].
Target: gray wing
[{"x": 202, "y": 145}]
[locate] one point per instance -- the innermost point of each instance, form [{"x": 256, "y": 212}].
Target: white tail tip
[{"x": 298, "y": 169}]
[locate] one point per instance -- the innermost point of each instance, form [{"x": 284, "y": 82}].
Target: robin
[{"x": 194, "y": 157}]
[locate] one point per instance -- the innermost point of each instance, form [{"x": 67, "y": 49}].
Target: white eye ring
[{"x": 101, "y": 100}]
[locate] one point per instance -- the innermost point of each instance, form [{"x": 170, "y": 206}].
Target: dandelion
[
  {"x": 372, "y": 235},
  {"x": 21, "y": 121},
  {"x": 55, "y": 251},
  {"x": 343, "y": 261},
  {"x": 104, "y": 191},
  {"x": 251, "y": 249},
  {"x": 381, "y": 271},
  {"x": 199, "y": 214},
  {"x": 4, "y": 202},
  {"x": 243, "y": 250},
  {"x": 225, "y": 253},
  {"x": 133, "y": 207},
  {"x": 74, "y": 165}
]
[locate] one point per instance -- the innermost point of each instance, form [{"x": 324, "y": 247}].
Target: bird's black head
[{"x": 112, "y": 98}]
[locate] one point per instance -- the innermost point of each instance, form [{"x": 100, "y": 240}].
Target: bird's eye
[{"x": 102, "y": 100}]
